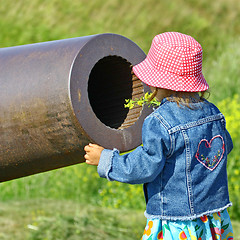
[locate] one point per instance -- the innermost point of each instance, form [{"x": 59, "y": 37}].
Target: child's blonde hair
[{"x": 182, "y": 98}]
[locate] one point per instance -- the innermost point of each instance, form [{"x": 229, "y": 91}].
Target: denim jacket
[{"x": 182, "y": 162}]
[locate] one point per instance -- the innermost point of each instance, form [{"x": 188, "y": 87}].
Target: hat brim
[{"x": 167, "y": 80}]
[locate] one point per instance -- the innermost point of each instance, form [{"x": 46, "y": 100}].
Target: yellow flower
[
  {"x": 217, "y": 216},
  {"x": 192, "y": 236},
  {"x": 236, "y": 171},
  {"x": 147, "y": 230}
]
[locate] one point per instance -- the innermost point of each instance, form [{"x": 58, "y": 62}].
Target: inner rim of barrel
[{"x": 110, "y": 83}]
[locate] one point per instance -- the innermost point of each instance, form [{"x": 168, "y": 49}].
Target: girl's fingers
[
  {"x": 87, "y": 148},
  {"x": 94, "y": 145},
  {"x": 88, "y": 162},
  {"x": 91, "y": 146}
]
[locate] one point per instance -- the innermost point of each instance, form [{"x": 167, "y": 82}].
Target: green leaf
[
  {"x": 142, "y": 101},
  {"x": 151, "y": 237},
  {"x": 197, "y": 227},
  {"x": 225, "y": 227},
  {"x": 166, "y": 226}
]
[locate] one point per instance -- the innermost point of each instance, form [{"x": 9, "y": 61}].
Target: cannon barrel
[{"x": 57, "y": 96}]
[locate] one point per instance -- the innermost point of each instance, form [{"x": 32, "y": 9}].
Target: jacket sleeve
[{"x": 143, "y": 164}]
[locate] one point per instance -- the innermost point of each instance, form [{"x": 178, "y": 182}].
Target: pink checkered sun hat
[{"x": 174, "y": 62}]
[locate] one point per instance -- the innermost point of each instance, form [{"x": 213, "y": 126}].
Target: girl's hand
[{"x": 93, "y": 153}]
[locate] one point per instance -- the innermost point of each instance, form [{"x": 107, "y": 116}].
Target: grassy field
[
  {"x": 41, "y": 219},
  {"x": 74, "y": 200},
  {"x": 213, "y": 23},
  {"x": 44, "y": 219}
]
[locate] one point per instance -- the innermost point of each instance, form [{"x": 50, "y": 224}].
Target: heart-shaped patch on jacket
[{"x": 210, "y": 153}]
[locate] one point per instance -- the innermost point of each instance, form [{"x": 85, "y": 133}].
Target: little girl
[{"x": 182, "y": 162}]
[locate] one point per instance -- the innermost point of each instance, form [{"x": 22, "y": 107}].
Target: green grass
[
  {"x": 67, "y": 220},
  {"x": 213, "y": 23},
  {"x": 44, "y": 219}
]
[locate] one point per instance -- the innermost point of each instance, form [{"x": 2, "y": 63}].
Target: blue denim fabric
[{"x": 182, "y": 162}]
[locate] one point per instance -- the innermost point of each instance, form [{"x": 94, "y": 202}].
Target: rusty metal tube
[{"x": 57, "y": 96}]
